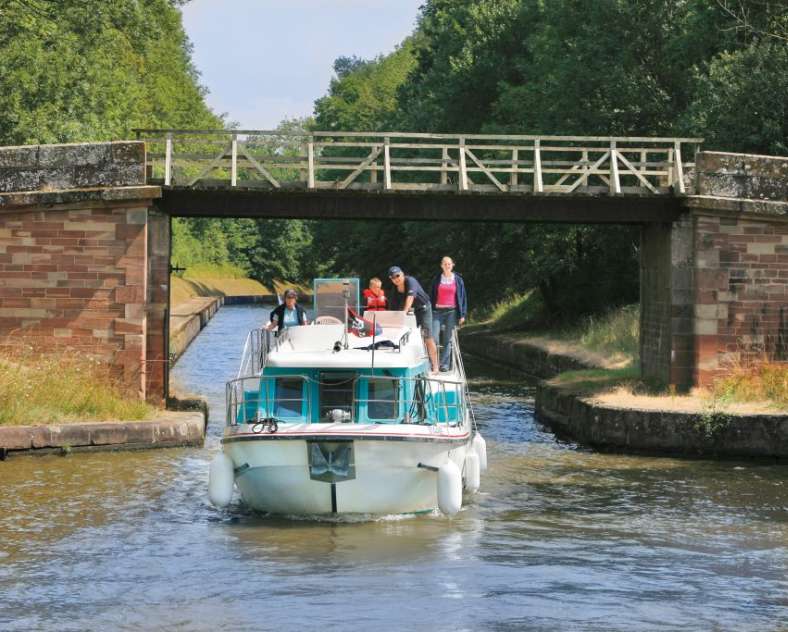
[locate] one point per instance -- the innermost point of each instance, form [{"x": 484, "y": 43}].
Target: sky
[{"x": 267, "y": 60}]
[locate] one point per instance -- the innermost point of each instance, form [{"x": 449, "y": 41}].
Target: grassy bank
[
  {"x": 213, "y": 280},
  {"x": 221, "y": 280},
  {"x": 62, "y": 389},
  {"x": 611, "y": 342}
]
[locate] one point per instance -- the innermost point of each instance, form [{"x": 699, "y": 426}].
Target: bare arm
[{"x": 408, "y": 303}]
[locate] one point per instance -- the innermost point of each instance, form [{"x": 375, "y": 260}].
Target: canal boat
[{"x": 343, "y": 416}]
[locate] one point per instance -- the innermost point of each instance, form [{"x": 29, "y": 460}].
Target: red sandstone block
[
  {"x": 130, "y": 231},
  {"x": 13, "y": 249},
  {"x": 130, "y": 294},
  {"x": 15, "y": 302},
  {"x": 122, "y": 326}
]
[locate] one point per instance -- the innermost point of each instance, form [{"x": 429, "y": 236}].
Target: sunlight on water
[{"x": 558, "y": 538}]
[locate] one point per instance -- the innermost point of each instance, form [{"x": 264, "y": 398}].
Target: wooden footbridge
[{"x": 409, "y": 175}]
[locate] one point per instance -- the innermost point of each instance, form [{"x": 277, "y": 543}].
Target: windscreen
[{"x": 329, "y": 297}]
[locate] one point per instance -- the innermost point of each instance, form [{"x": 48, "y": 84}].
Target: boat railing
[
  {"x": 460, "y": 365},
  {"x": 433, "y": 401},
  {"x": 255, "y": 354}
]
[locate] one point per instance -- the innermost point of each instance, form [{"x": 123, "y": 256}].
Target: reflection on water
[{"x": 559, "y": 538}]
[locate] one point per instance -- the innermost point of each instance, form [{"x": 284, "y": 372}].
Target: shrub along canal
[{"x": 558, "y": 538}]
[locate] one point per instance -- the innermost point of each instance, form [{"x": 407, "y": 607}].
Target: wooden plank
[
  {"x": 637, "y": 173},
  {"x": 168, "y": 161},
  {"x": 615, "y": 183},
  {"x": 386, "y": 164},
  {"x": 327, "y": 134},
  {"x": 310, "y": 159},
  {"x": 538, "y": 184},
  {"x": 679, "y": 168},
  {"x": 364, "y": 164},
  {"x": 588, "y": 171},
  {"x": 487, "y": 172},
  {"x": 463, "y": 167},
  {"x": 263, "y": 171},
  {"x": 214, "y": 163},
  {"x": 234, "y": 161}
]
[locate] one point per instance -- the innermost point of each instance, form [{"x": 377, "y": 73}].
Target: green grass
[
  {"x": 767, "y": 381},
  {"x": 517, "y": 312},
  {"x": 214, "y": 270},
  {"x": 589, "y": 381},
  {"x": 618, "y": 331},
  {"x": 62, "y": 388}
]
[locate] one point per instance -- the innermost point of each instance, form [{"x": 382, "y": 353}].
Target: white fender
[
  {"x": 449, "y": 488},
  {"x": 480, "y": 445},
  {"x": 221, "y": 478},
  {"x": 472, "y": 477}
]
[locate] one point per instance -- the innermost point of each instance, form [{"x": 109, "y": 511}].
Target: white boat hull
[{"x": 273, "y": 471}]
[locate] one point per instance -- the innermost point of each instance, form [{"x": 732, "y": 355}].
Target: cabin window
[
  {"x": 336, "y": 397},
  {"x": 289, "y": 397},
  {"x": 383, "y": 399}
]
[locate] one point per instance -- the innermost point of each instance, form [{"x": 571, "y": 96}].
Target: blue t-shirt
[
  {"x": 412, "y": 288},
  {"x": 291, "y": 318}
]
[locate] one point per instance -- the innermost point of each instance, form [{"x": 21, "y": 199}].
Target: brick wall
[
  {"x": 741, "y": 302},
  {"x": 77, "y": 279},
  {"x": 77, "y": 257}
]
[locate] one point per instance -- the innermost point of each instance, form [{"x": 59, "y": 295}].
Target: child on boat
[{"x": 374, "y": 298}]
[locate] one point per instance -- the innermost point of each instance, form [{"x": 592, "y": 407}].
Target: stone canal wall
[
  {"x": 187, "y": 321},
  {"x": 170, "y": 429},
  {"x": 606, "y": 427}
]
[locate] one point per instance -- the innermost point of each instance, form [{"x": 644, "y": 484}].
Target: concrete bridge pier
[{"x": 714, "y": 282}]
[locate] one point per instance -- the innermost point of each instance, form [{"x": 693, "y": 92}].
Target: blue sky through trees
[{"x": 266, "y": 60}]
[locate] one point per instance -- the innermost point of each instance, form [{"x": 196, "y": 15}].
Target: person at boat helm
[
  {"x": 288, "y": 314},
  {"x": 408, "y": 294}
]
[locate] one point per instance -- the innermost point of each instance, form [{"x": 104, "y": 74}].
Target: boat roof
[{"x": 398, "y": 345}]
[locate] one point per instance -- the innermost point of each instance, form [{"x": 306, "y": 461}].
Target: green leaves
[{"x": 76, "y": 70}]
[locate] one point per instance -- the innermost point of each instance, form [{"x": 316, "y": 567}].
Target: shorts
[{"x": 424, "y": 320}]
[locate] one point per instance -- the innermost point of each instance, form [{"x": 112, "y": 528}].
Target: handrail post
[
  {"x": 584, "y": 178},
  {"x": 679, "y": 167},
  {"x": 310, "y": 161},
  {"x": 513, "y": 175},
  {"x": 168, "y": 160},
  {"x": 386, "y": 164},
  {"x": 234, "y": 161},
  {"x": 538, "y": 183},
  {"x": 463, "y": 166},
  {"x": 444, "y": 164},
  {"x": 615, "y": 183}
]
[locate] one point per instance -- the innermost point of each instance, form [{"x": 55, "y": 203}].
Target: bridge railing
[{"x": 401, "y": 161}]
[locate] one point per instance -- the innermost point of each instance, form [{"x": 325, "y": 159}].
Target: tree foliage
[{"x": 612, "y": 67}]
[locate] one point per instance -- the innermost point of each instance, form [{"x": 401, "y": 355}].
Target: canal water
[{"x": 560, "y": 538}]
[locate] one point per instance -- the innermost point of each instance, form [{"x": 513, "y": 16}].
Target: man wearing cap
[
  {"x": 408, "y": 294},
  {"x": 288, "y": 314}
]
